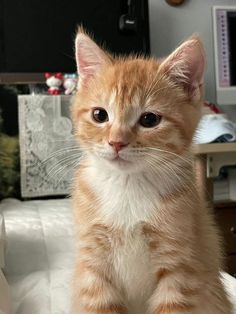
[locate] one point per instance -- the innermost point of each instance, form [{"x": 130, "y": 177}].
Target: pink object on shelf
[{"x": 212, "y": 107}]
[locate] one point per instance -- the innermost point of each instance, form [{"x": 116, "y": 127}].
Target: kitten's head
[{"x": 131, "y": 113}]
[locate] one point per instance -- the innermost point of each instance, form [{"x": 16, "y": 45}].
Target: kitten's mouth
[{"x": 119, "y": 159}]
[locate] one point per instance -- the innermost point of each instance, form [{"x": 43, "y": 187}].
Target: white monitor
[{"x": 224, "y": 26}]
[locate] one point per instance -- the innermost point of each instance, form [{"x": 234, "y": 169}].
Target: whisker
[
  {"x": 61, "y": 162},
  {"x": 171, "y": 153},
  {"x": 73, "y": 166},
  {"x": 66, "y": 140},
  {"x": 164, "y": 170},
  {"x": 61, "y": 152},
  {"x": 66, "y": 168},
  {"x": 169, "y": 175},
  {"x": 184, "y": 178}
]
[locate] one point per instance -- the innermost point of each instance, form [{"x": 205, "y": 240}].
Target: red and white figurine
[{"x": 54, "y": 82}]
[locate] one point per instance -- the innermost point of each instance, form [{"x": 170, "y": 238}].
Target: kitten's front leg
[
  {"x": 94, "y": 292},
  {"x": 175, "y": 293}
]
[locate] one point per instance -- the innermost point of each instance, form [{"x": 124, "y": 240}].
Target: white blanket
[{"x": 40, "y": 256}]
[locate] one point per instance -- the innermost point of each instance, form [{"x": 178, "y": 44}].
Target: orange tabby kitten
[{"x": 147, "y": 243}]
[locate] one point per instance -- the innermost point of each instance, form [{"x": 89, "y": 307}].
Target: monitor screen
[
  {"x": 224, "y": 28},
  {"x": 37, "y": 36},
  {"x": 231, "y": 17}
]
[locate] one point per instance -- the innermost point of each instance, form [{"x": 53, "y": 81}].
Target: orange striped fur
[{"x": 147, "y": 243}]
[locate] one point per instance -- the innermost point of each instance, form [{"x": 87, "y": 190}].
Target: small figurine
[
  {"x": 70, "y": 83},
  {"x": 54, "y": 82}
]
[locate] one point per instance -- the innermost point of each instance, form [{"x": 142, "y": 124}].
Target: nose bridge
[
  {"x": 118, "y": 133},
  {"x": 120, "y": 130}
]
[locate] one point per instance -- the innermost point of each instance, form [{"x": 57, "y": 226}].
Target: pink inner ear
[
  {"x": 83, "y": 57},
  {"x": 89, "y": 57},
  {"x": 86, "y": 69},
  {"x": 196, "y": 64},
  {"x": 186, "y": 65}
]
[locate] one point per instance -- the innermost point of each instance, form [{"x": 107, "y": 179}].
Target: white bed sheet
[{"x": 40, "y": 256}]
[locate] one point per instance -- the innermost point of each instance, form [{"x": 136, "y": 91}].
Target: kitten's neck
[
  {"x": 126, "y": 199},
  {"x": 166, "y": 181}
]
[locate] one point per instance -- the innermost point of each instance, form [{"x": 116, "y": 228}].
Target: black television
[{"x": 36, "y": 36}]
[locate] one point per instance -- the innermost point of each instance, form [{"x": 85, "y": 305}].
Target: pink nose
[{"x": 118, "y": 145}]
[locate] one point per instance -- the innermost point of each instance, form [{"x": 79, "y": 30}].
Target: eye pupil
[
  {"x": 149, "y": 119},
  {"x": 100, "y": 115}
]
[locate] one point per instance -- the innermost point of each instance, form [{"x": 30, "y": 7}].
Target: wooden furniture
[
  {"x": 209, "y": 159},
  {"x": 226, "y": 219}
]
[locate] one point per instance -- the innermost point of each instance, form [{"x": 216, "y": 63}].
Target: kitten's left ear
[
  {"x": 90, "y": 58},
  {"x": 186, "y": 65}
]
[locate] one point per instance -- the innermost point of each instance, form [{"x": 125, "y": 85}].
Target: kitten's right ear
[{"x": 90, "y": 58}]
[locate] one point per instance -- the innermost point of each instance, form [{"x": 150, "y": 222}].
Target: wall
[{"x": 171, "y": 25}]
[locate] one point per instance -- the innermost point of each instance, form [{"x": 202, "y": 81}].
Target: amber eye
[
  {"x": 100, "y": 115},
  {"x": 149, "y": 119}
]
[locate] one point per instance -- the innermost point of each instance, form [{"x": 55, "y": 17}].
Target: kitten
[{"x": 147, "y": 242}]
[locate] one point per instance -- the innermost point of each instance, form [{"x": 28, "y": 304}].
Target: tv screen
[{"x": 37, "y": 35}]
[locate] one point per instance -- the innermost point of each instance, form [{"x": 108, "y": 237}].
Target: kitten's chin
[{"x": 120, "y": 164}]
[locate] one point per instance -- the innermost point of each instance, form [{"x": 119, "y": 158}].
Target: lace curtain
[{"x": 47, "y": 147}]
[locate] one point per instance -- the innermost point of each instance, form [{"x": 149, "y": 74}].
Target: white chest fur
[
  {"x": 132, "y": 266},
  {"x": 124, "y": 200},
  {"x": 125, "y": 203}
]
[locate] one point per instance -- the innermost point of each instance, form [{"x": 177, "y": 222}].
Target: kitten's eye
[
  {"x": 100, "y": 115},
  {"x": 149, "y": 119}
]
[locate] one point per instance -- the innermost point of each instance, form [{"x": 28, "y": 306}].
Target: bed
[{"x": 40, "y": 256}]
